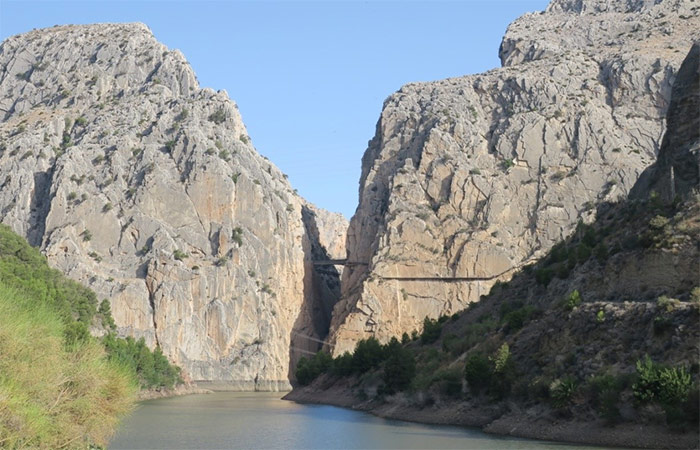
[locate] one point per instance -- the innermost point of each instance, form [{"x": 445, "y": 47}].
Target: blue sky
[{"x": 309, "y": 77}]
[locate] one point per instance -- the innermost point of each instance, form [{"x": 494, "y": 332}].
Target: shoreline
[
  {"x": 496, "y": 421},
  {"x": 177, "y": 391}
]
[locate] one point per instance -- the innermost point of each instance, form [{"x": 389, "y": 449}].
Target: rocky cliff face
[
  {"x": 468, "y": 179},
  {"x": 137, "y": 182}
]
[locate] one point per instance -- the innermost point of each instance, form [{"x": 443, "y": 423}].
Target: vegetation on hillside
[
  {"x": 25, "y": 269},
  {"x": 54, "y": 394},
  {"x": 59, "y": 386},
  {"x": 537, "y": 341}
]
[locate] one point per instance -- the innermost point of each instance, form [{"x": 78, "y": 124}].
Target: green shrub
[
  {"x": 218, "y": 117},
  {"x": 695, "y": 295},
  {"x": 668, "y": 386},
  {"x": 86, "y": 234},
  {"x": 666, "y": 304},
  {"x": 604, "y": 393},
  {"x": 477, "y": 372},
  {"x": 152, "y": 368},
  {"x": 399, "y": 367},
  {"x": 368, "y": 354},
  {"x": 583, "y": 253},
  {"x": 308, "y": 369},
  {"x": 343, "y": 365},
  {"x": 590, "y": 236},
  {"x": 544, "y": 276},
  {"x": 658, "y": 222},
  {"x": 448, "y": 382},
  {"x": 563, "y": 390},
  {"x": 431, "y": 330},
  {"x": 514, "y": 320},
  {"x": 237, "y": 236},
  {"x": 105, "y": 312},
  {"x": 179, "y": 255},
  {"x": 243, "y": 138},
  {"x": 572, "y": 301},
  {"x": 601, "y": 252},
  {"x": 501, "y": 358},
  {"x": 600, "y": 316}
]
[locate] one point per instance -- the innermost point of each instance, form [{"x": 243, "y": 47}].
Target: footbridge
[{"x": 337, "y": 262}]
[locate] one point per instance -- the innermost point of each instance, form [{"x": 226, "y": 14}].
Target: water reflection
[{"x": 231, "y": 420}]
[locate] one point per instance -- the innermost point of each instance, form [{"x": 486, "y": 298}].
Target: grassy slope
[
  {"x": 59, "y": 387},
  {"x": 54, "y": 395}
]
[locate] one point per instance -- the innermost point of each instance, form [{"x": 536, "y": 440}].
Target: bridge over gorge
[{"x": 337, "y": 262}]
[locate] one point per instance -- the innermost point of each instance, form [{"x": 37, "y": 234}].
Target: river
[{"x": 248, "y": 420}]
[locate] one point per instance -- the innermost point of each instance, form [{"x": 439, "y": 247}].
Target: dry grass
[{"x": 52, "y": 396}]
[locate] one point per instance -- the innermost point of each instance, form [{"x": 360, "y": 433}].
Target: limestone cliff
[
  {"x": 137, "y": 182},
  {"x": 468, "y": 179}
]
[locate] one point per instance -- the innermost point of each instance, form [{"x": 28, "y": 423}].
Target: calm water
[{"x": 234, "y": 420}]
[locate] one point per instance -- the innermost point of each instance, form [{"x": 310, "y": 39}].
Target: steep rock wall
[
  {"x": 468, "y": 179},
  {"x": 137, "y": 182}
]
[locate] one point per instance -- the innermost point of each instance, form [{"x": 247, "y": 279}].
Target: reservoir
[{"x": 258, "y": 420}]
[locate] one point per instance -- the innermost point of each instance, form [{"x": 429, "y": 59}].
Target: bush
[
  {"x": 563, "y": 390},
  {"x": 601, "y": 253},
  {"x": 179, "y": 255},
  {"x": 105, "y": 312},
  {"x": 368, "y": 354},
  {"x": 431, "y": 330},
  {"x": 666, "y": 304},
  {"x": 237, "y": 236},
  {"x": 308, "y": 369},
  {"x": 151, "y": 368},
  {"x": 544, "y": 276},
  {"x": 477, "y": 372},
  {"x": 449, "y": 382},
  {"x": 515, "y": 319},
  {"x": 572, "y": 301},
  {"x": 218, "y": 117},
  {"x": 343, "y": 365},
  {"x": 399, "y": 367},
  {"x": 668, "y": 386},
  {"x": 583, "y": 252},
  {"x": 604, "y": 392}
]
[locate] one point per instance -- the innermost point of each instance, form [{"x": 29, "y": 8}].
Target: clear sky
[{"x": 309, "y": 77}]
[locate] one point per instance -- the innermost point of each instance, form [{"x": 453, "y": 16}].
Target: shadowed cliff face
[
  {"x": 468, "y": 179},
  {"x": 675, "y": 173},
  {"x": 145, "y": 187}
]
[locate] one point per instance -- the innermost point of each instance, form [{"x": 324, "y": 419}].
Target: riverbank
[
  {"x": 498, "y": 419},
  {"x": 177, "y": 391}
]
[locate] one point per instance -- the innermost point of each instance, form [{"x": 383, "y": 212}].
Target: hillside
[
  {"x": 598, "y": 342},
  {"x": 58, "y": 387},
  {"x": 468, "y": 180}
]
